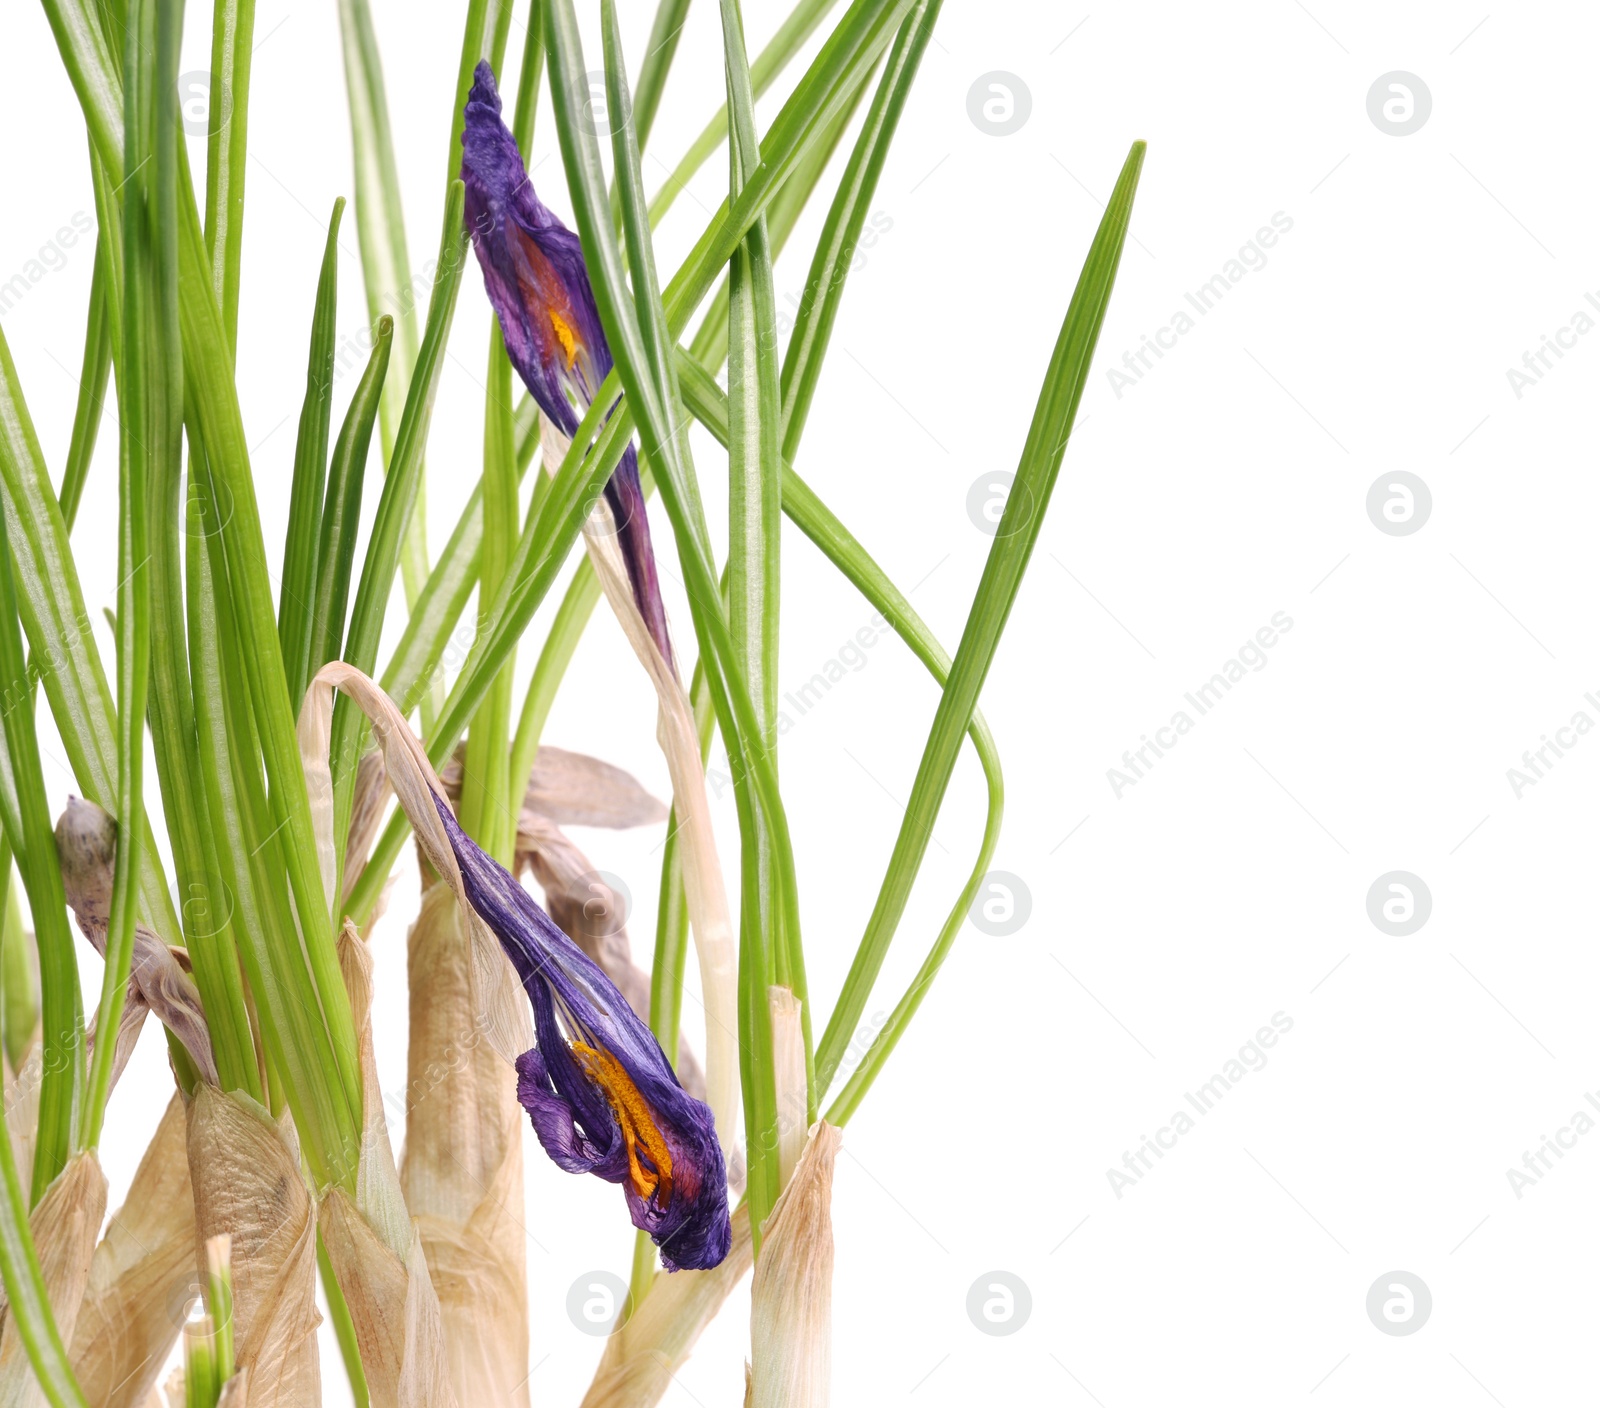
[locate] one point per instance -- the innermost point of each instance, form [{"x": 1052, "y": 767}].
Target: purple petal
[
  {"x": 602, "y": 1097},
  {"x": 534, "y": 274},
  {"x": 625, "y": 494}
]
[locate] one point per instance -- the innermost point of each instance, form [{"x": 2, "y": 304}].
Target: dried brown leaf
[
  {"x": 496, "y": 994},
  {"x": 366, "y": 811},
  {"x": 247, "y": 1181},
  {"x": 86, "y": 840},
  {"x": 141, "y": 1276},
  {"x": 372, "y": 1244},
  {"x": 64, "y": 1223},
  {"x": 462, "y": 1167},
  {"x": 791, "y": 1297}
]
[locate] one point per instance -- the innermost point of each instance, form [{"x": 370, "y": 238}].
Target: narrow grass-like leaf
[
  {"x": 997, "y": 591},
  {"x": 19, "y": 970},
  {"x": 528, "y": 78},
  {"x": 489, "y": 805},
  {"x": 302, "y": 538},
  {"x": 768, "y": 955},
  {"x": 582, "y": 595},
  {"x": 381, "y": 228},
  {"x": 770, "y": 62},
  {"x": 341, "y": 510},
  {"x": 25, "y": 814},
  {"x": 430, "y": 626},
  {"x": 659, "y": 51},
  {"x": 251, "y": 884},
  {"x": 306, "y": 943},
  {"x": 396, "y": 505},
  {"x": 754, "y": 515},
  {"x": 151, "y": 430},
  {"x": 94, "y": 70},
  {"x": 233, "y": 24},
  {"x": 491, "y": 794},
  {"x": 66, "y": 661},
  {"x": 710, "y": 344},
  {"x": 836, "y": 247},
  {"x": 92, "y": 380},
  {"x": 344, "y": 1327}
]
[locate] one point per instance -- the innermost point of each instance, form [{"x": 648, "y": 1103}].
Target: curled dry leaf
[
  {"x": 641, "y": 1359},
  {"x": 789, "y": 1078},
  {"x": 704, "y": 891},
  {"x": 22, "y": 1087},
  {"x": 791, "y": 1298},
  {"x": 374, "y": 1251},
  {"x": 64, "y": 1223},
  {"x": 86, "y": 839},
  {"x": 366, "y": 811},
  {"x": 496, "y": 993},
  {"x": 22, "y": 1109},
  {"x": 140, "y": 1277},
  {"x": 574, "y": 789},
  {"x": 245, "y": 1171},
  {"x": 462, "y": 1167}
]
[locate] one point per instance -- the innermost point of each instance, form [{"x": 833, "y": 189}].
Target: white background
[{"x": 1227, "y": 485}]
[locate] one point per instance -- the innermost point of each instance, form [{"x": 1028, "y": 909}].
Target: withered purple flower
[
  {"x": 602, "y": 1097},
  {"x": 536, "y": 279}
]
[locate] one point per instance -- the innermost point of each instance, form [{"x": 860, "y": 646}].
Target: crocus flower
[
  {"x": 602, "y": 1097},
  {"x": 535, "y": 276}
]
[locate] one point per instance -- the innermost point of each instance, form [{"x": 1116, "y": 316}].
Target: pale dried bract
[
  {"x": 64, "y": 1223},
  {"x": 140, "y": 1276},
  {"x": 791, "y": 1297},
  {"x": 248, "y": 1183},
  {"x": 372, "y": 1244},
  {"x": 462, "y": 1167}
]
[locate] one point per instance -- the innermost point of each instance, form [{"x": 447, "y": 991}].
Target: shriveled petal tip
[
  {"x": 538, "y": 284},
  {"x": 625, "y": 495},
  {"x": 533, "y": 267},
  {"x": 602, "y": 1097}
]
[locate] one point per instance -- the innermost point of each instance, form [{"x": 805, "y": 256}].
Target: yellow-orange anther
[{"x": 638, "y": 1126}]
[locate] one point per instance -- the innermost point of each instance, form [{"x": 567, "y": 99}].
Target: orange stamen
[
  {"x": 633, "y": 1115},
  {"x": 568, "y": 340}
]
